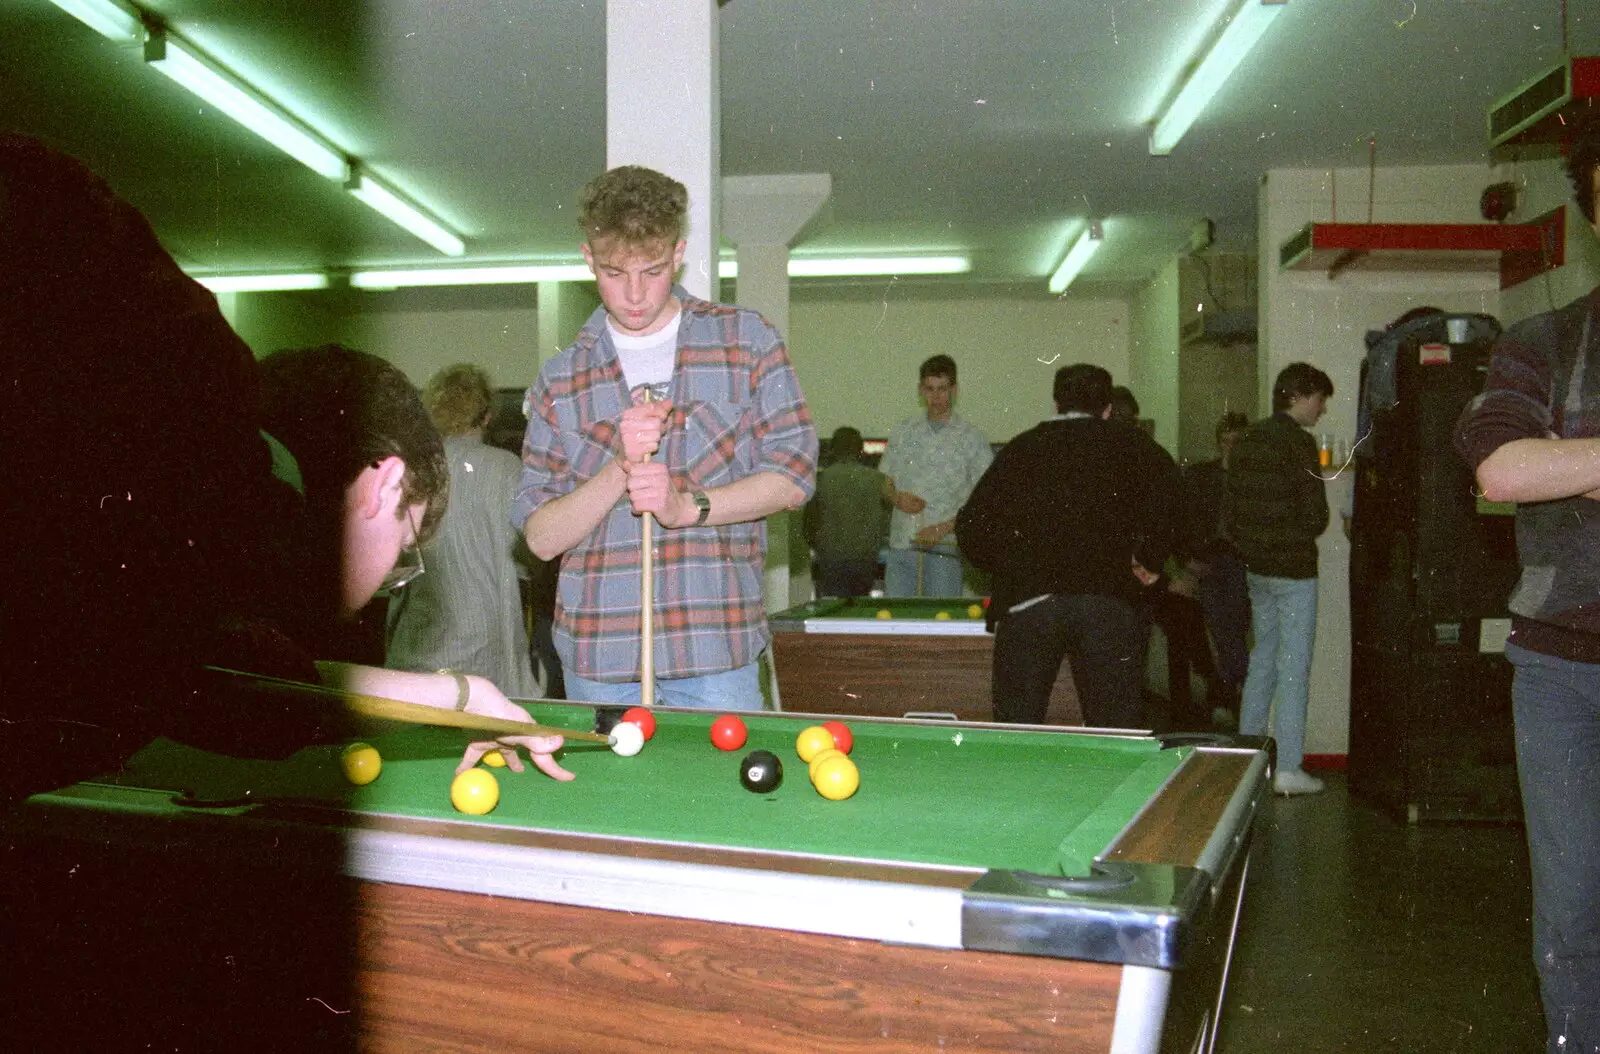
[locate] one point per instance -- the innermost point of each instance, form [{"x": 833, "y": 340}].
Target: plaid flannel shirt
[{"x": 737, "y": 410}]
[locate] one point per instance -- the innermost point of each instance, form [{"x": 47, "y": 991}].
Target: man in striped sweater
[{"x": 1533, "y": 437}]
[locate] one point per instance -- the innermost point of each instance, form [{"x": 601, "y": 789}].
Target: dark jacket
[
  {"x": 1274, "y": 503},
  {"x": 1066, "y": 507}
]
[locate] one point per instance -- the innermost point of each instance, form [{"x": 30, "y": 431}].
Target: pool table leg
[{"x": 1141, "y": 1010}]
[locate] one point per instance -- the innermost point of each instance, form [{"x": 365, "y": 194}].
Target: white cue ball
[{"x": 629, "y": 739}]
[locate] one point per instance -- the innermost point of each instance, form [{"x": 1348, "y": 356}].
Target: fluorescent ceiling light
[
  {"x": 185, "y": 66},
  {"x": 381, "y": 199},
  {"x": 1087, "y": 245},
  {"x": 861, "y": 266},
  {"x": 261, "y": 283},
  {"x": 817, "y": 267},
  {"x": 106, "y": 18},
  {"x": 1203, "y": 82},
  {"x": 501, "y": 275}
]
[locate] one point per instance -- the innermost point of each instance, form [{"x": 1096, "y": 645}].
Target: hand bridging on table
[{"x": 487, "y": 700}]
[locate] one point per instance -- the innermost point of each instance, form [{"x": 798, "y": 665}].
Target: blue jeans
[
  {"x": 738, "y": 689},
  {"x": 922, "y": 573},
  {"x": 1557, "y": 708},
  {"x": 1283, "y": 613}
]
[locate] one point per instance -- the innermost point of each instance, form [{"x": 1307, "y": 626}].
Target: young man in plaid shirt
[{"x": 674, "y": 406}]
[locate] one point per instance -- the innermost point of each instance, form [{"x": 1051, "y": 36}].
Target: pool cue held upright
[{"x": 647, "y": 602}]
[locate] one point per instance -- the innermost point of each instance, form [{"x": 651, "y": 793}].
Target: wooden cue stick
[
  {"x": 409, "y": 713},
  {"x": 647, "y": 614},
  {"x": 647, "y": 602}
]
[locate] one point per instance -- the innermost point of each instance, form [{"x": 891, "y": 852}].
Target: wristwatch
[{"x": 702, "y": 503}]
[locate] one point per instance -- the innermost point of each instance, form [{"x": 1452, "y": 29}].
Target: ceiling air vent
[{"x": 1539, "y": 111}]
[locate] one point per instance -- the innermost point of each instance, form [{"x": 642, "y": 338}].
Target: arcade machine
[{"x": 1431, "y": 568}]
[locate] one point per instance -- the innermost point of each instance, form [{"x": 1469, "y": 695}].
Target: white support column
[
  {"x": 762, "y": 216},
  {"x": 663, "y": 112}
]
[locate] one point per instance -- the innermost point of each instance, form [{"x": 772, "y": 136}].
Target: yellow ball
[
  {"x": 837, "y": 778},
  {"x": 885, "y": 613},
  {"x": 812, "y": 741},
  {"x": 361, "y": 763},
  {"x": 821, "y": 756},
  {"x": 495, "y": 760},
  {"x": 942, "y": 616},
  {"x": 475, "y": 792},
  {"x": 974, "y": 611}
]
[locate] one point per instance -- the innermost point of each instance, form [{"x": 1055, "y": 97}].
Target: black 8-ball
[{"x": 760, "y": 771}]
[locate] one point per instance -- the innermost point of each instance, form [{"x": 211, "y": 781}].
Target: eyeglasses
[{"x": 408, "y": 567}]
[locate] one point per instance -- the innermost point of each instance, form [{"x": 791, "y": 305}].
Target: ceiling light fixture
[
  {"x": 509, "y": 274},
  {"x": 383, "y": 200},
  {"x": 1072, "y": 264},
  {"x": 261, "y": 283},
  {"x": 846, "y": 266},
  {"x": 1244, "y": 28},
  {"x": 110, "y": 20},
  {"x": 233, "y": 97},
  {"x": 862, "y": 266}
]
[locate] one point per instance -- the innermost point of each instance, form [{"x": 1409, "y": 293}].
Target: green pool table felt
[{"x": 930, "y": 793}]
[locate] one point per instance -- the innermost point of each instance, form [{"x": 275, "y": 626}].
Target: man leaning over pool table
[{"x": 156, "y": 526}]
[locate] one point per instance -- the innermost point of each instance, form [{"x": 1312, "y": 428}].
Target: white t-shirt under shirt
[{"x": 647, "y": 360}]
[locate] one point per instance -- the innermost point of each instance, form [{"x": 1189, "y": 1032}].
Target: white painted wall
[
  {"x": 1153, "y": 354},
  {"x": 1307, "y": 317},
  {"x": 1543, "y": 186},
  {"x": 857, "y": 352}
]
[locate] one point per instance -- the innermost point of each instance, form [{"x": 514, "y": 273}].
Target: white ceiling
[{"x": 992, "y": 127}]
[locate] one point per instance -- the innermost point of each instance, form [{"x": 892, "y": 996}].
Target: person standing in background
[
  {"x": 1224, "y": 597},
  {"x": 934, "y": 461},
  {"x": 844, "y": 521},
  {"x": 1274, "y": 509},
  {"x": 466, "y": 613},
  {"x": 1075, "y": 520}
]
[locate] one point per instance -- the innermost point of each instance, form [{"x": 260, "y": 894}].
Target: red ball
[
  {"x": 642, "y": 717},
  {"x": 841, "y": 735},
  {"x": 728, "y": 732}
]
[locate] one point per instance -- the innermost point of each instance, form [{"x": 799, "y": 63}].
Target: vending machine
[{"x": 1431, "y": 568}]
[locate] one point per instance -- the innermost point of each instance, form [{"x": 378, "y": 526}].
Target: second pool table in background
[{"x": 836, "y": 656}]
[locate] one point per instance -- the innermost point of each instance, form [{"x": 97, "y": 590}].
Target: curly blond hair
[
  {"x": 458, "y": 398},
  {"x": 634, "y": 205}
]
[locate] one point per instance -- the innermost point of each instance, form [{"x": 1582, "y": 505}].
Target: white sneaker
[{"x": 1290, "y": 782}]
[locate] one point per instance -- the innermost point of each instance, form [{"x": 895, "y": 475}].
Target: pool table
[
  {"x": 987, "y": 888},
  {"x": 838, "y": 656}
]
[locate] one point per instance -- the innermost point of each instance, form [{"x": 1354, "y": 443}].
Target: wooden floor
[{"x": 1363, "y": 934}]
